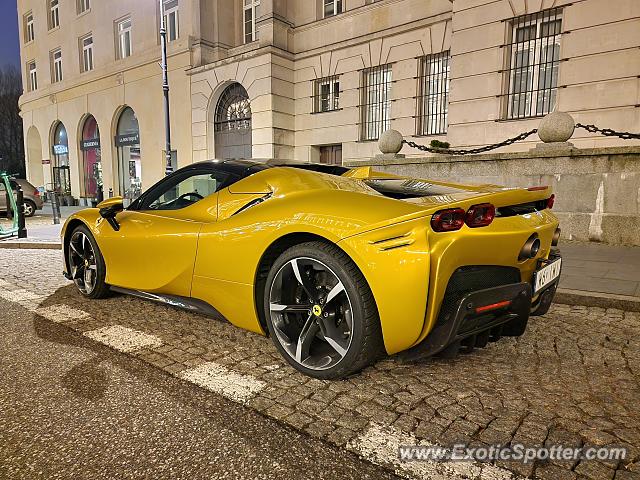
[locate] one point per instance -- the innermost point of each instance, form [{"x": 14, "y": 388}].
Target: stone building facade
[{"x": 312, "y": 80}]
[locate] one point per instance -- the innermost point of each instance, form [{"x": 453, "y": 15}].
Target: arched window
[
  {"x": 60, "y": 165},
  {"x": 233, "y": 123},
  {"x": 91, "y": 156},
  {"x": 129, "y": 155}
]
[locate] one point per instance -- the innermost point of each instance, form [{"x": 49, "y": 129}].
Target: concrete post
[
  {"x": 555, "y": 129},
  {"x": 390, "y": 143}
]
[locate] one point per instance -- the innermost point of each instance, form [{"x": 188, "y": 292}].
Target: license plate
[{"x": 546, "y": 275}]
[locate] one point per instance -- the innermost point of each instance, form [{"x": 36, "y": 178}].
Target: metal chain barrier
[
  {"x": 486, "y": 148},
  {"x": 607, "y": 132}
]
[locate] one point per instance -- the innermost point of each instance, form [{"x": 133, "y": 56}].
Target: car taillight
[
  {"x": 480, "y": 215},
  {"x": 448, "y": 220},
  {"x": 550, "y": 201},
  {"x": 36, "y": 193}
]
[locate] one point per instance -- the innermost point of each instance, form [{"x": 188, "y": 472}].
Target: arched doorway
[
  {"x": 91, "y": 158},
  {"x": 61, "y": 172},
  {"x": 232, "y": 124},
  {"x": 34, "y": 157},
  {"x": 129, "y": 155}
]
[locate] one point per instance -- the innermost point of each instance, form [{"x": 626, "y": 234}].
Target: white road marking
[
  {"x": 123, "y": 339},
  {"x": 218, "y": 379},
  {"x": 379, "y": 445},
  {"x": 28, "y": 300},
  {"x": 19, "y": 295},
  {"x": 61, "y": 313}
]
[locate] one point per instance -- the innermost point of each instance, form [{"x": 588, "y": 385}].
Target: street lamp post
[{"x": 165, "y": 89}]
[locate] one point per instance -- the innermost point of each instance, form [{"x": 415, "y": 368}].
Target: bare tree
[{"x": 11, "y": 136}]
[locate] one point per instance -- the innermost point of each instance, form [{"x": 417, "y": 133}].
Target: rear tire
[
  {"x": 320, "y": 311},
  {"x": 86, "y": 264}
]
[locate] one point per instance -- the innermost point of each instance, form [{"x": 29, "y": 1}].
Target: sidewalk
[{"x": 600, "y": 275}]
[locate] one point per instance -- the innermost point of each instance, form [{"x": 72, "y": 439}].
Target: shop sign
[
  {"x": 60, "y": 150},
  {"x": 128, "y": 140},
  {"x": 90, "y": 144}
]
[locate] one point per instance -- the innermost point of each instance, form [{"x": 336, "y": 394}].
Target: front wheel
[
  {"x": 86, "y": 265},
  {"x": 320, "y": 311}
]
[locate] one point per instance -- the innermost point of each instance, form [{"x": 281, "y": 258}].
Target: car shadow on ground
[{"x": 91, "y": 380}]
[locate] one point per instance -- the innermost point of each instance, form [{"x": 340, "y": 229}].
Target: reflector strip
[{"x": 493, "y": 306}]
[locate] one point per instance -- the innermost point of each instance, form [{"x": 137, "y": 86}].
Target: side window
[{"x": 184, "y": 190}]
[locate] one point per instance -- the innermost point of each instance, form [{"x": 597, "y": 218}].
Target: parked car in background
[{"x": 32, "y": 199}]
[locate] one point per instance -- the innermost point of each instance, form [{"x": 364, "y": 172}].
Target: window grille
[
  {"x": 433, "y": 93},
  {"x": 326, "y": 94},
  {"x": 375, "y": 102},
  {"x": 533, "y": 57}
]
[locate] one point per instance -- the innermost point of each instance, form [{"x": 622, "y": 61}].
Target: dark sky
[{"x": 9, "y": 41}]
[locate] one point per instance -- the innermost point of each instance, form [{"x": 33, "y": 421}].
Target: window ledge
[
  {"x": 519, "y": 119},
  {"x": 326, "y": 111},
  {"x": 51, "y": 30},
  {"x": 82, "y": 14}
]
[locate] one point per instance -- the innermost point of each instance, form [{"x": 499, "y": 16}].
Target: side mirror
[{"x": 109, "y": 208}]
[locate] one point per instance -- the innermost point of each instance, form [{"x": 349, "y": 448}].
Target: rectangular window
[
  {"x": 326, "y": 94},
  {"x": 332, "y": 7},
  {"x": 375, "y": 102},
  {"x": 533, "y": 59},
  {"x": 433, "y": 94},
  {"x": 331, "y": 154},
  {"x": 33, "y": 76},
  {"x": 86, "y": 53},
  {"x": 54, "y": 14},
  {"x": 29, "y": 31},
  {"x": 251, "y": 12},
  {"x": 56, "y": 66},
  {"x": 83, "y": 6},
  {"x": 123, "y": 35},
  {"x": 171, "y": 19}
]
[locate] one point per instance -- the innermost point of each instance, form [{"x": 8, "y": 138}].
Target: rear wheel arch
[{"x": 271, "y": 254}]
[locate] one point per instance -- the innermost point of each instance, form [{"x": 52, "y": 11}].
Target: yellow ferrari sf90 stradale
[{"x": 336, "y": 265}]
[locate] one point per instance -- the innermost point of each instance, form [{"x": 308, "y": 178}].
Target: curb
[
  {"x": 31, "y": 245},
  {"x": 597, "y": 299}
]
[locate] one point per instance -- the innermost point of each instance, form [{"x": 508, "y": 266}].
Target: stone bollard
[
  {"x": 390, "y": 143},
  {"x": 555, "y": 129}
]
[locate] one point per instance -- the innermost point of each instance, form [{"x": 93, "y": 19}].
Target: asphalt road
[{"x": 72, "y": 409}]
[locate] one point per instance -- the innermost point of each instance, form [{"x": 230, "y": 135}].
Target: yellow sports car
[{"x": 337, "y": 265}]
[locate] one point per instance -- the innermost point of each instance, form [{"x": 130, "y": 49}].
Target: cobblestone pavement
[{"x": 572, "y": 379}]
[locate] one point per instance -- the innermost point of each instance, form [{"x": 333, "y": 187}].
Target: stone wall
[{"x": 597, "y": 190}]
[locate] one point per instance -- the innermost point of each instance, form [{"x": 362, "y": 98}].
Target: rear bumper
[{"x": 502, "y": 310}]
